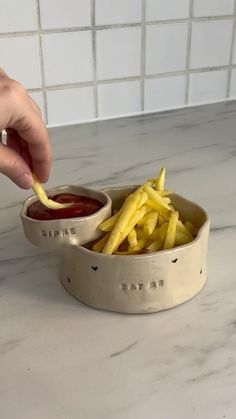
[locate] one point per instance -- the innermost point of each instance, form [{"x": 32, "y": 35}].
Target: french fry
[
  {"x": 160, "y": 182},
  {"x": 154, "y": 246},
  {"x": 42, "y": 196},
  {"x": 160, "y": 233},
  {"x": 143, "y": 197},
  {"x": 191, "y": 228},
  {"x": 165, "y": 193},
  {"x": 160, "y": 221},
  {"x": 142, "y": 221},
  {"x": 140, "y": 233},
  {"x": 99, "y": 245},
  {"x": 146, "y": 222},
  {"x": 171, "y": 231},
  {"x": 128, "y": 210},
  {"x": 109, "y": 223},
  {"x": 133, "y": 221},
  {"x": 132, "y": 238},
  {"x": 157, "y": 203},
  {"x": 165, "y": 214},
  {"x": 150, "y": 222},
  {"x": 140, "y": 245},
  {"x": 181, "y": 238},
  {"x": 167, "y": 200},
  {"x": 183, "y": 229}
]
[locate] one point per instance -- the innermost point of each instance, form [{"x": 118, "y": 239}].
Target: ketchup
[{"x": 82, "y": 206}]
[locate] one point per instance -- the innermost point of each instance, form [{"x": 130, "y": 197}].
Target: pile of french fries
[{"x": 146, "y": 222}]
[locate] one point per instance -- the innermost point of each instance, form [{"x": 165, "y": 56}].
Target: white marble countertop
[{"x": 62, "y": 360}]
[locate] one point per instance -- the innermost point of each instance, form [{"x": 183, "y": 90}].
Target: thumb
[{"x": 15, "y": 167}]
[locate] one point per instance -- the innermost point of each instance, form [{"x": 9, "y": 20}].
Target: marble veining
[{"x": 62, "y": 360}]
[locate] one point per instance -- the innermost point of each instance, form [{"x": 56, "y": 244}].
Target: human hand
[{"x": 27, "y": 147}]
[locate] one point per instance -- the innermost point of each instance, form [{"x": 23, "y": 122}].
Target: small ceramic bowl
[
  {"x": 53, "y": 234},
  {"x": 142, "y": 283}
]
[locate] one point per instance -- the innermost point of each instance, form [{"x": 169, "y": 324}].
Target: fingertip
[
  {"x": 24, "y": 181},
  {"x": 42, "y": 171}
]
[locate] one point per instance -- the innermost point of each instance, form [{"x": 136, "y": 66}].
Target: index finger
[{"x": 32, "y": 129}]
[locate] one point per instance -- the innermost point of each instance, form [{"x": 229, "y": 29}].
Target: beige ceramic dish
[
  {"x": 53, "y": 234},
  {"x": 139, "y": 283}
]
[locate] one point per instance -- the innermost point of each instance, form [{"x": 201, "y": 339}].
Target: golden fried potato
[
  {"x": 42, "y": 196},
  {"x": 99, "y": 245},
  {"x": 128, "y": 210},
  {"x": 150, "y": 222},
  {"x": 132, "y": 238},
  {"x": 171, "y": 231},
  {"x": 154, "y": 245},
  {"x": 146, "y": 222},
  {"x": 109, "y": 223},
  {"x": 160, "y": 182}
]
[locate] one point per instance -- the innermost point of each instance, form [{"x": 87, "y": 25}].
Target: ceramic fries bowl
[
  {"x": 142, "y": 283},
  {"x": 53, "y": 234}
]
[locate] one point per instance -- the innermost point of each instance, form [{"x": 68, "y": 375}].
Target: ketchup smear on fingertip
[{"x": 82, "y": 207}]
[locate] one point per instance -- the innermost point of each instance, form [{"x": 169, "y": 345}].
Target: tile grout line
[
  {"x": 112, "y": 26},
  {"x": 43, "y": 89},
  {"x": 131, "y": 78},
  {"x": 189, "y": 37},
  {"x": 94, "y": 58},
  {"x": 230, "y": 66},
  {"x": 143, "y": 54}
]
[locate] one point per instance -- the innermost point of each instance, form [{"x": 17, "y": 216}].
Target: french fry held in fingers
[
  {"x": 147, "y": 222},
  {"x": 42, "y": 196}
]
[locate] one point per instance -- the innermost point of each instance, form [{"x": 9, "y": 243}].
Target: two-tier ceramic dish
[{"x": 141, "y": 283}]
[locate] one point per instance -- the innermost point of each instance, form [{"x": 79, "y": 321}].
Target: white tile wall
[
  {"x": 234, "y": 49},
  {"x": 164, "y": 92},
  {"x": 118, "y": 53},
  {"x": 70, "y": 105},
  {"x": 38, "y": 98},
  {"x": 19, "y": 56},
  {"x": 167, "y": 9},
  {"x": 166, "y": 47},
  {"x": 119, "y": 98},
  {"x": 67, "y": 57},
  {"x": 109, "y": 12},
  {"x": 89, "y": 59},
  {"x": 17, "y": 16},
  {"x": 207, "y": 86},
  {"x": 213, "y": 7},
  {"x": 211, "y": 41},
  {"x": 233, "y": 84},
  {"x": 64, "y": 13}
]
